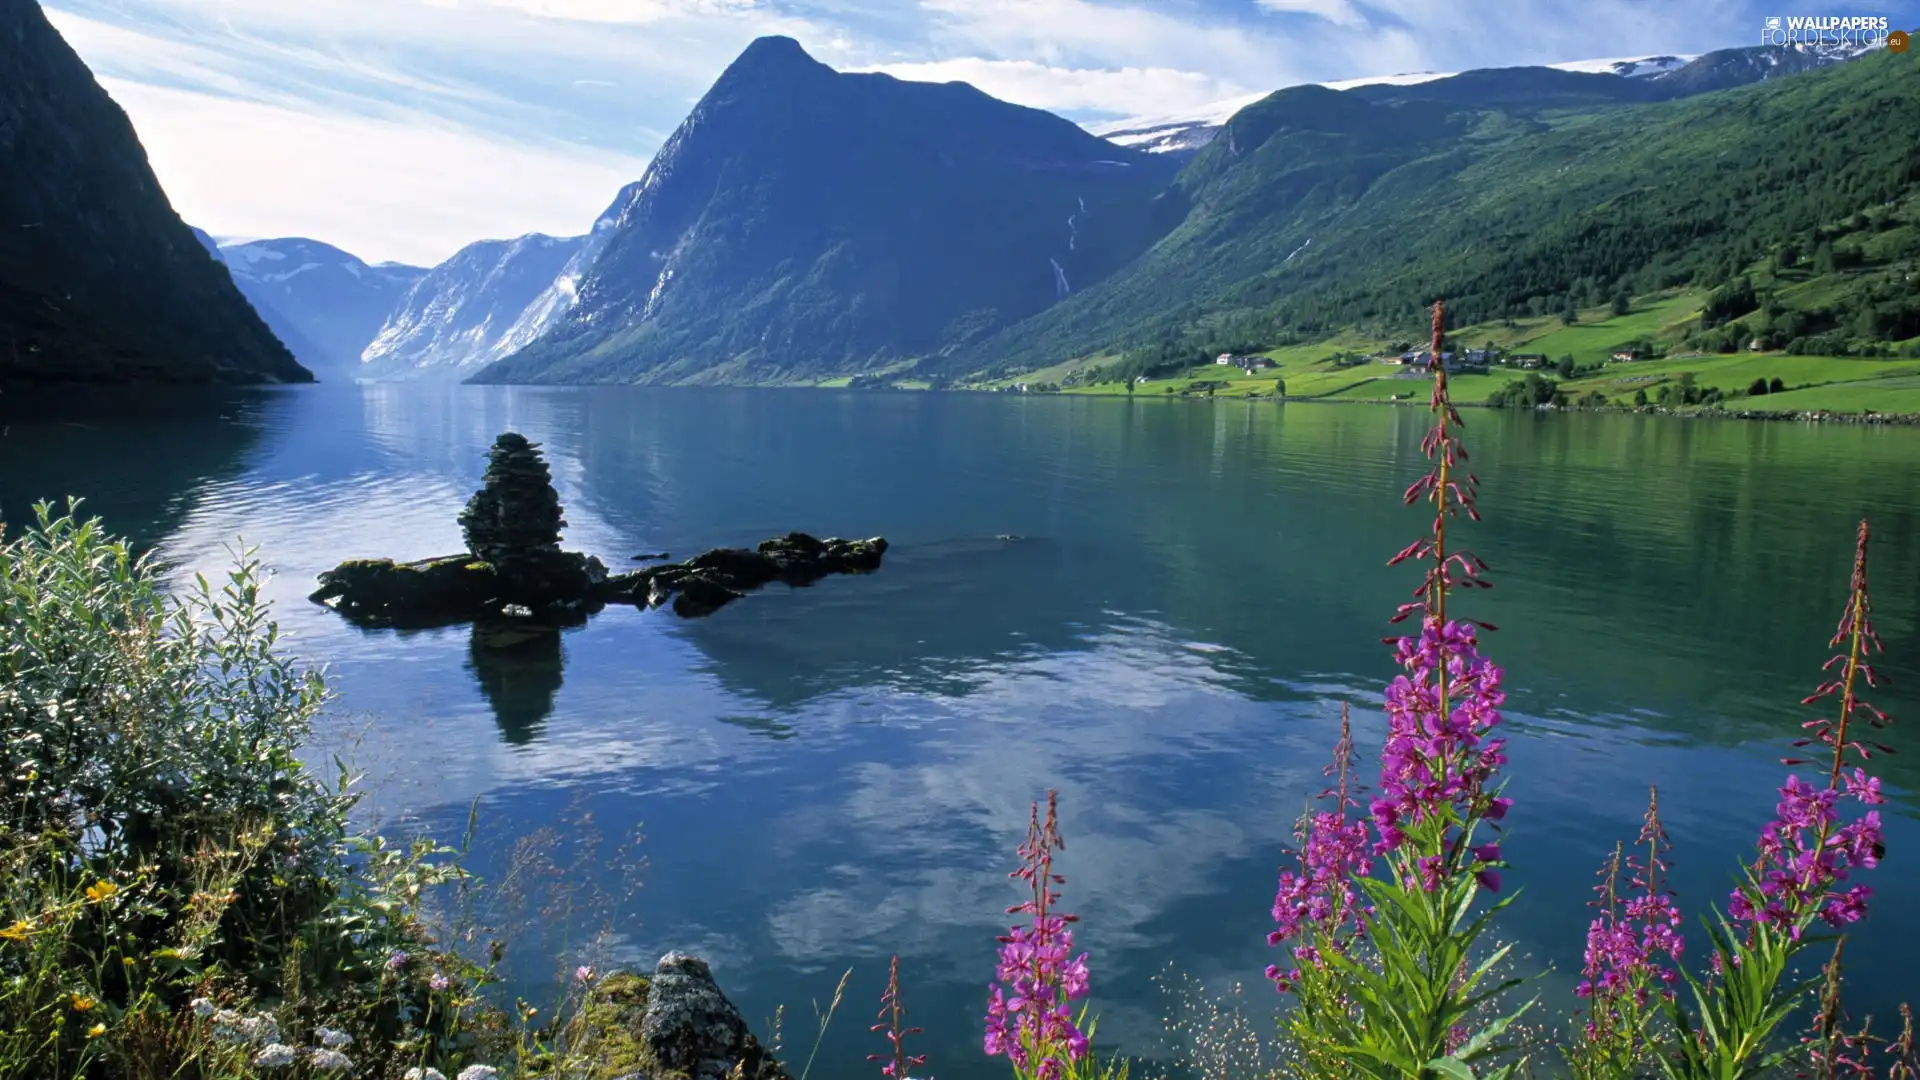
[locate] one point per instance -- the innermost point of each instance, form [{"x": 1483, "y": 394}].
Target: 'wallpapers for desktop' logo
[{"x": 1850, "y": 31}]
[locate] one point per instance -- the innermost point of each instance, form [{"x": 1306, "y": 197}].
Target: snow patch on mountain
[
  {"x": 323, "y": 303},
  {"x": 469, "y": 311},
  {"x": 1188, "y": 131}
]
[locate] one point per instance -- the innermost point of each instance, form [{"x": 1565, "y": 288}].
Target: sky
[{"x": 404, "y": 129}]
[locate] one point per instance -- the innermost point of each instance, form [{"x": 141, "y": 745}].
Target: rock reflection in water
[{"x": 519, "y": 665}]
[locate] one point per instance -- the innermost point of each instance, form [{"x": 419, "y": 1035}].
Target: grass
[
  {"x": 1597, "y": 334},
  {"x": 1829, "y": 383}
]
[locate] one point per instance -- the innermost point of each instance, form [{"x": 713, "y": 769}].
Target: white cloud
[
  {"x": 624, "y": 11},
  {"x": 408, "y": 190},
  {"x": 1340, "y": 12}
]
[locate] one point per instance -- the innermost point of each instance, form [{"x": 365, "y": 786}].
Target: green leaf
[{"x": 1452, "y": 1068}]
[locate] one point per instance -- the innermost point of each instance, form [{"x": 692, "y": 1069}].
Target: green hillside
[
  {"x": 1784, "y": 210},
  {"x": 1353, "y": 366}
]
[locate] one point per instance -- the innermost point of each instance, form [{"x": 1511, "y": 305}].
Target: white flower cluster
[
  {"x": 471, "y": 1072},
  {"x": 232, "y": 1027},
  {"x": 329, "y": 1060},
  {"x": 263, "y": 1031}
]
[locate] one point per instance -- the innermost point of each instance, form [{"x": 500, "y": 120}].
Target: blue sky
[{"x": 403, "y": 129}]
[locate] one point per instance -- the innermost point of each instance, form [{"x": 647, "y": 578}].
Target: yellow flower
[
  {"x": 96, "y": 1031},
  {"x": 19, "y": 931},
  {"x": 83, "y": 1003},
  {"x": 100, "y": 890}
]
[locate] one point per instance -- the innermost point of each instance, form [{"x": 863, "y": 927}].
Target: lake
[{"x": 827, "y": 776}]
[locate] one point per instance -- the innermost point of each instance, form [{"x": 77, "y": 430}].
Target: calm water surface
[{"x": 828, "y": 776}]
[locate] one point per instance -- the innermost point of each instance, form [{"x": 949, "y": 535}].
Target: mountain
[
  {"x": 805, "y": 222},
  {"x": 1724, "y": 69},
  {"x": 1183, "y": 134},
  {"x": 100, "y": 281},
  {"x": 471, "y": 310},
  {"x": 1315, "y": 210},
  {"x": 1648, "y": 78},
  {"x": 325, "y": 304}
]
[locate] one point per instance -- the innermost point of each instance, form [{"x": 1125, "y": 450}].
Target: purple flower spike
[{"x": 1037, "y": 965}]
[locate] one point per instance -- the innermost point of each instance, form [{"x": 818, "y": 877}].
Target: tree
[
  {"x": 1280, "y": 387},
  {"x": 1639, "y": 397},
  {"x": 1569, "y": 314},
  {"x": 1621, "y": 305},
  {"x": 1758, "y": 388},
  {"x": 1776, "y": 386},
  {"x": 516, "y": 512},
  {"x": 1565, "y": 367}
]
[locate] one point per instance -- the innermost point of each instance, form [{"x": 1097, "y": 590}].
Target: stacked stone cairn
[{"x": 515, "y": 516}]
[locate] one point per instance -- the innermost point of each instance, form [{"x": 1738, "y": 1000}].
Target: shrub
[{"x": 172, "y": 876}]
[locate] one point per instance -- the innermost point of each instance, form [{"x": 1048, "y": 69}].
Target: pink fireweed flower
[
  {"x": 1806, "y": 851},
  {"x": 1627, "y": 942},
  {"x": 891, "y": 1013},
  {"x": 1029, "y": 1019},
  {"x": 1439, "y": 758},
  {"x": 1318, "y": 904}
]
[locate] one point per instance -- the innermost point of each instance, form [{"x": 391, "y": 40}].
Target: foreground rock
[{"x": 674, "y": 1025}]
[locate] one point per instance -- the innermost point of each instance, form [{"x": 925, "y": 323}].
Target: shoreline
[{"x": 1808, "y": 416}]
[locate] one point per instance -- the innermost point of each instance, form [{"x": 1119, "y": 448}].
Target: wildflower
[
  {"x": 583, "y": 974},
  {"x": 438, "y": 981},
  {"x": 396, "y": 960},
  {"x": 1036, "y": 967},
  {"x": 478, "y": 1072},
  {"x": 1805, "y": 851},
  {"x": 332, "y": 1037},
  {"x": 423, "y": 1074},
  {"x": 274, "y": 1056},
  {"x": 329, "y": 1060},
  {"x": 201, "y": 1007},
  {"x": 891, "y": 1012},
  {"x": 96, "y": 1031},
  {"x": 100, "y": 890},
  {"x": 21, "y": 930},
  {"x": 1832, "y": 1048},
  {"x": 82, "y": 1003},
  {"x": 1316, "y": 903},
  {"x": 260, "y": 1029},
  {"x": 1438, "y": 758}
]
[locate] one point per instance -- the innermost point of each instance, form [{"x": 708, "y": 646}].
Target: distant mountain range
[
  {"x": 100, "y": 281},
  {"x": 475, "y": 308},
  {"x": 805, "y": 223},
  {"x": 1183, "y": 134},
  {"x": 323, "y": 303}
]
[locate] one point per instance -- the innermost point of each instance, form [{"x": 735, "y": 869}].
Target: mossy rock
[
  {"x": 607, "y": 1029},
  {"x": 676, "y": 1025},
  {"x": 450, "y": 588}
]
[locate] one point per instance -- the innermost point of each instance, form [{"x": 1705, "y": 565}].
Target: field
[{"x": 1310, "y": 372}]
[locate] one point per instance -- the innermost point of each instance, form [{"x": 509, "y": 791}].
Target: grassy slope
[
  {"x": 1508, "y": 214},
  {"x": 1837, "y": 384}
]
